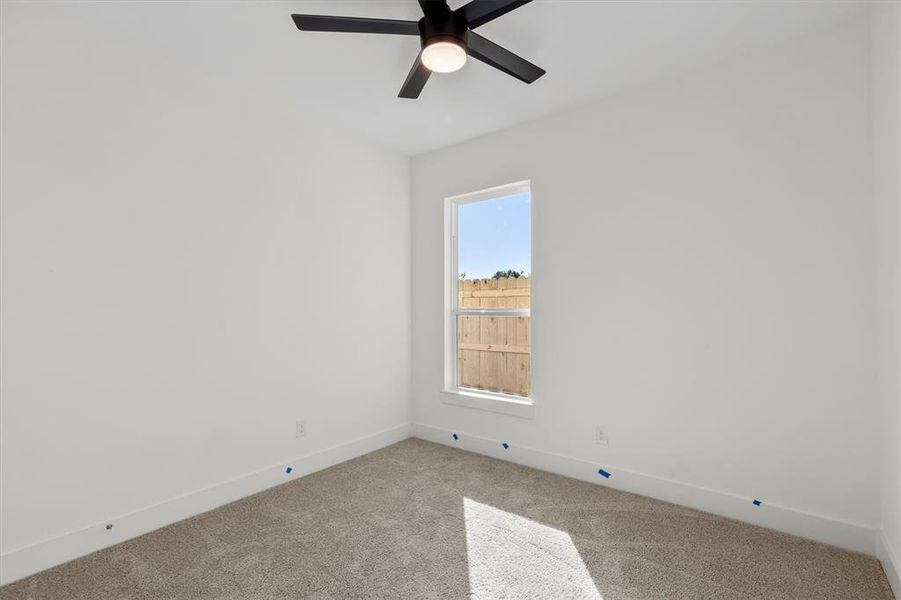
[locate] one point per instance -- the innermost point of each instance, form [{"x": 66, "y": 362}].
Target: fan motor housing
[{"x": 452, "y": 28}]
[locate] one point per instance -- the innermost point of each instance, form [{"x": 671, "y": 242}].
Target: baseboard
[
  {"x": 26, "y": 561},
  {"x": 891, "y": 564},
  {"x": 851, "y": 536}
]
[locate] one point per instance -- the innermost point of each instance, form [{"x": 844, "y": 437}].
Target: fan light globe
[{"x": 443, "y": 57}]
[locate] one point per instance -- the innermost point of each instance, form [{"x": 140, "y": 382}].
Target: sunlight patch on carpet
[{"x": 514, "y": 557}]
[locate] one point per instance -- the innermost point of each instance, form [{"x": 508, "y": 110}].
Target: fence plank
[
  {"x": 469, "y": 373},
  {"x": 523, "y": 283},
  {"x": 465, "y": 292},
  {"x": 487, "y": 362},
  {"x": 522, "y": 361},
  {"x": 505, "y": 286}
]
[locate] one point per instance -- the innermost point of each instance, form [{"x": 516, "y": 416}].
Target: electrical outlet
[
  {"x": 601, "y": 436},
  {"x": 300, "y": 428}
]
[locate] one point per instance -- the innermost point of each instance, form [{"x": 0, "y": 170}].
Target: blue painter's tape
[
  {"x": 604, "y": 474},
  {"x": 506, "y": 446},
  {"x": 757, "y": 502},
  {"x": 288, "y": 470},
  {"x": 456, "y": 437}
]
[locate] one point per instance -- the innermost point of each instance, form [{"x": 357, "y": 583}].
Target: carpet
[{"x": 420, "y": 520}]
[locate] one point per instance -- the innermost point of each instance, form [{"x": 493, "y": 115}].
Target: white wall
[
  {"x": 703, "y": 286},
  {"x": 886, "y": 75},
  {"x": 186, "y": 270}
]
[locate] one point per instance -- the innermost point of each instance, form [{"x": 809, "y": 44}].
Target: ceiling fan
[{"x": 446, "y": 35}]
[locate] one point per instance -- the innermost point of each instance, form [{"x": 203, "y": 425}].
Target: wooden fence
[{"x": 493, "y": 353}]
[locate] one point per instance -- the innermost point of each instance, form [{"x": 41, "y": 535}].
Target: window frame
[{"x": 499, "y": 402}]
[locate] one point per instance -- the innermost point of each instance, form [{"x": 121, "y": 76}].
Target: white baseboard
[
  {"x": 26, "y": 561},
  {"x": 891, "y": 564},
  {"x": 851, "y": 536}
]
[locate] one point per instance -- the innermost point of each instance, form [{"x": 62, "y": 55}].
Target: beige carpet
[{"x": 419, "y": 520}]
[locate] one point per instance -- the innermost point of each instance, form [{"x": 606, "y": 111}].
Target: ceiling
[{"x": 590, "y": 49}]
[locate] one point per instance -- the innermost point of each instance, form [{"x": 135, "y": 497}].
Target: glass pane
[
  {"x": 494, "y": 252},
  {"x": 493, "y": 354}
]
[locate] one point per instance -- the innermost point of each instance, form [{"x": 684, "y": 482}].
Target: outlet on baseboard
[
  {"x": 300, "y": 428},
  {"x": 601, "y": 436}
]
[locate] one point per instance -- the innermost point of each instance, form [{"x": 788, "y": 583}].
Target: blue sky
[{"x": 495, "y": 235}]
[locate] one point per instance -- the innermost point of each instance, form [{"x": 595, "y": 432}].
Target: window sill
[{"x": 504, "y": 404}]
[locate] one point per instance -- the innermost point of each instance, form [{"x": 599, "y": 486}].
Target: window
[{"x": 488, "y": 304}]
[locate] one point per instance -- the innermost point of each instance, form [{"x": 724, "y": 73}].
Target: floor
[{"x": 420, "y": 520}]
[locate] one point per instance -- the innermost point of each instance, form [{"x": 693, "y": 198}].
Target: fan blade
[
  {"x": 355, "y": 24},
  {"x": 502, "y": 59},
  {"x": 479, "y": 12},
  {"x": 434, "y": 9},
  {"x": 416, "y": 79}
]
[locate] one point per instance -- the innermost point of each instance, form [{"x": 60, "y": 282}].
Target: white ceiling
[{"x": 589, "y": 48}]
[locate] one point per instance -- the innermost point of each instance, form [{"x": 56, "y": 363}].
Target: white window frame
[{"x": 509, "y": 404}]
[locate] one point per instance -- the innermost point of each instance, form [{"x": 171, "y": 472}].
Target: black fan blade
[
  {"x": 500, "y": 58},
  {"x": 416, "y": 79},
  {"x": 355, "y": 24},
  {"x": 479, "y": 12},
  {"x": 434, "y": 9}
]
